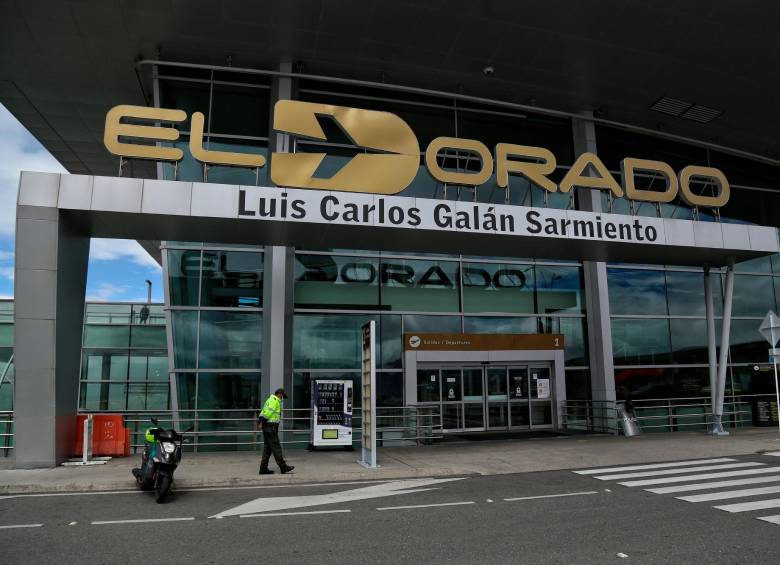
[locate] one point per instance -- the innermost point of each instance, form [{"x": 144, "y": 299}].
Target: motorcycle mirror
[
  {"x": 154, "y": 421},
  {"x": 188, "y": 430}
]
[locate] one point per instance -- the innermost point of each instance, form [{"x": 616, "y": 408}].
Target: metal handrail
[
  {"x": 602, "y": 416},
  {"x": 7, "y": 426},
  {"x": 403, "y": 424}
]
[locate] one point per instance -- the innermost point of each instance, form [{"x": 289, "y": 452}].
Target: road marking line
[
  {"x": 654, "y": 466},
  {"x": 748, "y": 506},
  {"x": 725, "y": 495},
  {"x": 144, "y": 521},
  {"x": 716, "y": 484},
  {"x": 677, "y": 471},
  {"x": 293, "y": 513},
  {"x": 771, "y": 519},
  {"x": 552, "y": 495},
  {"x": 701, "y": 477},
  {"x": 264, "y": 505},
  {"x": 772, "y": 454},
  {"x": 13, "y": 526},
  {"x": 426, "y": 505}
]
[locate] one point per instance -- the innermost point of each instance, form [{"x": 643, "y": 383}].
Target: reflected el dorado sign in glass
[{"x": 392, "y": 156}]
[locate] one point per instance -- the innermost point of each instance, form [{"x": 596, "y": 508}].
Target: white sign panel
[
  {"x": 770, "y": 328},
  {"x": 357, "y": 209},
  {"x": 154, "y": 209},
  {"x": 543, "y": 388}
]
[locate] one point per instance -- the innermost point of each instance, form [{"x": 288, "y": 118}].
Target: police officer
[{"x": 269, "y": 419}]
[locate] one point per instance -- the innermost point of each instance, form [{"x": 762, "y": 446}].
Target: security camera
[{"x": 487, "y": 71}]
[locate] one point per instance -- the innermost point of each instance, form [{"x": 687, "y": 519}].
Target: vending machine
[{"x": 331, "y": 413}]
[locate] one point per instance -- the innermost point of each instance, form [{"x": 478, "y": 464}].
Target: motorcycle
[{"x": 159, "y": 461}]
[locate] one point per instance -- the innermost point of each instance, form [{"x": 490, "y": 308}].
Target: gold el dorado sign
[
  {"x": 396, "y": 163},
  {"x": 481, "y": 342}
]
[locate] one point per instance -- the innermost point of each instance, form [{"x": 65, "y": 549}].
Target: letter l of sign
[{"x": 218, "y": 157}]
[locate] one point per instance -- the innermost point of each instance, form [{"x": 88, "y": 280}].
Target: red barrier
[{"x": 109, "y": 436}]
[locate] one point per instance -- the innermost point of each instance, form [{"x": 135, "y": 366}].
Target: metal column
[
  {"x": 711, "y": 337},
  {"x": 277, "y": 279},
  {"x": 602, "y": 368},
  {"x": 717, "y": 408}
]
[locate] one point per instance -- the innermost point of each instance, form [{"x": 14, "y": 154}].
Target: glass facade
[
  {"x": 7, "y": 375},
  {"x": 124, "y": 358},
  {"x": 6, "y": 350},
  {"x": 657, "y": 314},
  {"x": 215, "y": 299},
  {"x": 236, "y": 111},
  {"x": 336, "y": 293},
  {"x": 215, "y": 291},
  {"x": 659, "y": 328}
]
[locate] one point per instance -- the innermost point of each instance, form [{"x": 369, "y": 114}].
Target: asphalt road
[{"x": 550, "y": 517}]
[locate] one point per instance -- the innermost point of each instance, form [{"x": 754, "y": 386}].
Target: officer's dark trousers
[{"x": 271, "y": 445}]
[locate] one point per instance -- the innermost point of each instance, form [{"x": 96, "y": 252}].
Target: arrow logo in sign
[{"x": 277, "y": 503}]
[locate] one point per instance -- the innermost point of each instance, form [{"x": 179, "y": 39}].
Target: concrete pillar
[
  {"x": 50, "y": 282},
  {"x": 602, "y": 369}
]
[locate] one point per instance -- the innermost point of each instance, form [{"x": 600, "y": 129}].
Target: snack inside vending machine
[{"x": 331, "y": 413}]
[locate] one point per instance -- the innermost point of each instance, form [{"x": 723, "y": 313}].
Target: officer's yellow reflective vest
[{"x": 272, "y": 410}]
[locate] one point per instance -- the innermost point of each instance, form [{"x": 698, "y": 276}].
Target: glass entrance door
[
  {"x": 540, "y": 397},
  {"x": 497, "y": 401},
  {"x": 489, "y": 397},
  {"x": 473, "y": 398}
]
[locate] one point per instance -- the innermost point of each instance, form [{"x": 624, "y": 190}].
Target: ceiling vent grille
[
  {"x": 686, "y": 110},
  {"x": 670, "y": 106},
  {"x": 701, "y": 114}
]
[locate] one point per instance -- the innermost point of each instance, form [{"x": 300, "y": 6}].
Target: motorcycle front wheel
[{"x": 162, "y": 487}]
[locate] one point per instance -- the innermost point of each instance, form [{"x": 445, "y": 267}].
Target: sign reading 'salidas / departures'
[
  {"x": 391, "y": 157},
  {"x": 292, "y": 205}
]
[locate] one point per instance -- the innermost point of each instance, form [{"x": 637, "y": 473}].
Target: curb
[{"x": 268, "y": 481}]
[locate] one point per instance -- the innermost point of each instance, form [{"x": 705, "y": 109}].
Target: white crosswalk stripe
[
  {"x": 687, "y": 476},
  {"x": 725, "y": 495},
  {"x": 701, "y": 477},
  {"x": 748, "y": 506},
  {"x": 715, "y": 484},
  {"x": 662, "y": 472},
  {"x": 655, "y": 466}
]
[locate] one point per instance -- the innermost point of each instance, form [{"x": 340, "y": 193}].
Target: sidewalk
[{"x": 451, "y": 458}]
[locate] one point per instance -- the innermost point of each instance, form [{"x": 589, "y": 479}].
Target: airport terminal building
[{"x": 525, "y": 247}]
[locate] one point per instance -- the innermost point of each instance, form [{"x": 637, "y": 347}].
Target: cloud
[
  {"x": 106, "y": 292},
  {"x": 6, "y": 255},
  {"x": 7, "y": 273},
  {"x": 116, "y": 249},
  {"x": 20, "y": 152}
]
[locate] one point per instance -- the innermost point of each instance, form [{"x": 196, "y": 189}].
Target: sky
[{"x": 118, "y": 268}]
